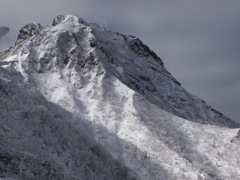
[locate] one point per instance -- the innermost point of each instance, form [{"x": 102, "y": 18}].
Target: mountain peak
[
  {"x": 67, "y": 19},
  {"x": 74, "y": 45},
  {"x": 81, "y": 102},
  {"x": 28, "y": 31}
]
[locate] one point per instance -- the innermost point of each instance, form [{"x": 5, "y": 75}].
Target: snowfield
[{"x": 78, "y": 101}]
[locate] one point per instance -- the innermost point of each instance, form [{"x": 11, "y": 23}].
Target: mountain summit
[{"x": 81, "y": 102}]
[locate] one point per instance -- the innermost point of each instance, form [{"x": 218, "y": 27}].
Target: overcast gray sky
[{"x": 199, "y": 41}]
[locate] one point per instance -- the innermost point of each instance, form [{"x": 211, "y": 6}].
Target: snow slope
[{"x": 81, "y": 102}]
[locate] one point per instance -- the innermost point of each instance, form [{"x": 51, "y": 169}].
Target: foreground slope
[{"x": 81, "y": 102}]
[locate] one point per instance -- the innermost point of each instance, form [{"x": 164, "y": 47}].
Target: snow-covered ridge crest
[
  {"x": 73, "y": 45},
  {"x": 81, "y": 102}
]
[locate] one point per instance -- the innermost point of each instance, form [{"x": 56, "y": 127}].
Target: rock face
[
  {"x": 28, "y": 31},
  {"x": 81, "y": 102}
]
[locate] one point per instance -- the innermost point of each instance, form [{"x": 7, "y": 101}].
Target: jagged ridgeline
[{"x": 81, "y": 102}]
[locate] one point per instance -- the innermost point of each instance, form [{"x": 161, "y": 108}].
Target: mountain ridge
[
  {"x": 114, "y": 94},
  {"x": 172, "y": 97}
]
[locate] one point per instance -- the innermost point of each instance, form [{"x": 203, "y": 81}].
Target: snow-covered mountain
[{"x": 78, "y": 101}]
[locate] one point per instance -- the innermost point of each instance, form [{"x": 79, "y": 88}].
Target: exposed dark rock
[
  {"x": 141, "y": 49},
  {"x": 145, "y": 78},
  {"x": 28, "y": 31},
  {"x": 58, "y": 20}
]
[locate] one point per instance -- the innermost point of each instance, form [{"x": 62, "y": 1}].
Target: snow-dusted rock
[{"x": 81, "y": 102}]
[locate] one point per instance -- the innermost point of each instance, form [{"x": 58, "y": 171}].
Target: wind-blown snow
[{"x": 81, "y": 102}]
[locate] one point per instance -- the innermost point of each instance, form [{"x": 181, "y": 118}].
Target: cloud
[
  {"x": 3, "y": 31},
  {"x": 198, "y": 41}
]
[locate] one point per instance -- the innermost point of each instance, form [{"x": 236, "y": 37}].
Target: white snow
[{"x": 105, "y": 112}]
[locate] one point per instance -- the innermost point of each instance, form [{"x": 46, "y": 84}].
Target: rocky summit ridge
[{"x": 81, "y": 102}]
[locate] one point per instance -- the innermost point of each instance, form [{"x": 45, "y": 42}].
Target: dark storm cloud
[{"x": 199, "y": 41}]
